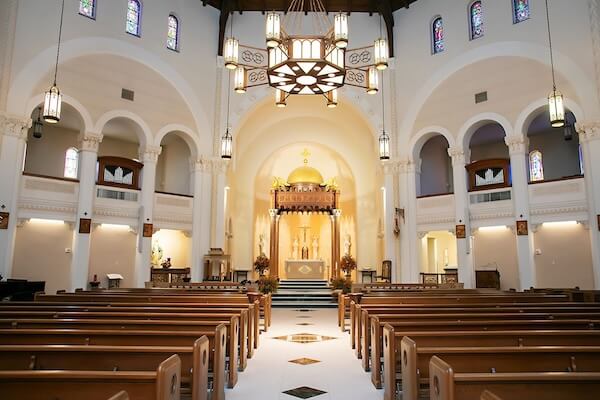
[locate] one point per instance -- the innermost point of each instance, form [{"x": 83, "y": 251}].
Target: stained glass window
[
  {"x": 173, "y": 33},
  {"x": 71, "y": 163},
  {"x": 521, "y": 10},
  {"x": 438, "y": 35},
  {"x": 87, "y": 8},
  {"x": 134, "y": 12},
  {"x": 536, "y": 166},
  {"x": 476, "y": 12}
]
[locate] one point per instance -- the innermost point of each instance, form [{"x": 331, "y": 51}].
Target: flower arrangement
[
  {"x": 268, "y": 284},
  {"x": 348, "y": 264},
  {"x": 343, "y": 284},
  {"x": 261, "y": 264}
]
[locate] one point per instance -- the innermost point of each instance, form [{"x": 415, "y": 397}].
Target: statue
[
  {"x": 261, "y": 244},
  {"x": 347, "y": 245},
  {"x": 295, "y": 249},
  {"x": 315, "y": 248}
]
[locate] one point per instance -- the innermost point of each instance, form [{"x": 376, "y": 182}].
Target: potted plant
[
  {"x": 268, "y": 284},
  {"x": 348, "y": 264},
  {"x": 261, "y": 264},
  {"x": 341, "y": 285}
]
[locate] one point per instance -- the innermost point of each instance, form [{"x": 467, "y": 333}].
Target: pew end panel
[
  {"x": 375, "y": 352},
  {"x": 168, "y": 373},
  {"x": 389, "y": 364},
  {"x": 410, "y": 371},
  {"x": 365, "y": 340},
  {"x": 234, "y": 364},
  {"x": 441, "y": 380},
  {"x": 218, "y": 389},
  {"x": 200, "y": 369}
]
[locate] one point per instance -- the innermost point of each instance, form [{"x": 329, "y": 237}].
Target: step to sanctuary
[{"x": 307, "y": 293}]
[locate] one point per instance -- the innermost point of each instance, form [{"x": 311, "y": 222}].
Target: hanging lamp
[
  {"x": 53, "y": 97},
  {"x": 227, "y": 139},
  {"x": 38, "y": 126},
  {"x": 556, "y": 101},
  {"x": 384, "y": 139},
  {"x": 380, "y": 50},
  {"x": 231, "y": 49}
]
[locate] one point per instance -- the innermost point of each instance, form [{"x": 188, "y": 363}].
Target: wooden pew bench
[
  {"x": 446, "y": 384},
  {"x": 406, "y": 328},
  {"x": 162, "y": 384},
  {"x": 194, "y": 360},
  {"x": 122, "y": 395},
  {"x": 414, "y": 362}
]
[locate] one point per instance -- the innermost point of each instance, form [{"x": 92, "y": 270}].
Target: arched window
[
  {"x": 134, "y": 17},
  {"x": 173, "y": 33},
  {"x": 71, "y": 163},
  {"x": 438, "y": 35},
  {"x": 581, "y": 160},
  {"x": 520, "y": 11},
  {"x": 476, "y": 19},
  {"x": 536, "y": 166},
  {"x": 87, "y": 8}
]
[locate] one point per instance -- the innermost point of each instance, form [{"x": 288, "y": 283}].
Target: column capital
[
  {"x": 517, "y": 145},
  {"x": 201, "y": 164},
  {"x": 90, "y": 141},
  {"x": 273, "y": 212},
  {"x": 391, "y": 167},
  {"x": 588, "y": 131},
  {"x": 457, "y": 155},
  {"x": 12, "y": 125},
  {"x": 219, "y": 165},
  {"x": 407, "y": 166},
  {"x": 149, "y": 154},
  {"x": 337, "y": 213}
]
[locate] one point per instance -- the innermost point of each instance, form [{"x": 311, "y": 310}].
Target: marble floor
[{"x": 324, "y": 366}]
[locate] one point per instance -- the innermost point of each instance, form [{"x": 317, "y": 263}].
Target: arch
[
  {"x": 146, "y": 138},
  {"x": 532, "y": 111},
  {"x": 84, "y": 115},
  {"x": 473, "y": 124},
  {"x": 418, "y": 141},
  {"x": 185, "y": 133},
  {"x": 564, "y": 65},
  {"x": 27, "y": 79}
]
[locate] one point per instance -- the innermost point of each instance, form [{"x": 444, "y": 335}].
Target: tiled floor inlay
[
  {"x": 304, "y": 338},
  {"x": 304, "y": 361},
  {"x": 304, "y": 392},
  {"x": 304, "y": 324}
]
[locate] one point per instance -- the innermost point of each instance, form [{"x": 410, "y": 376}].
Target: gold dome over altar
[{"x": 305, "y": 174}]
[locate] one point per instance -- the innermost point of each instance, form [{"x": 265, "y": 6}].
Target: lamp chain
[
  {"x": 383, "y": 101},
  {"x": 550, "y": 43},
  {"x": 62, "y": 12}
]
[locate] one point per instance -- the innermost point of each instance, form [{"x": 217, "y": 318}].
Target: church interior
[{"x": 298, "y": 199}]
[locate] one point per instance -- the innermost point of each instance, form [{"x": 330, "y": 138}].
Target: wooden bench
[
  {"x": 122, "y": 395},
  {"x": 487, "y": 395},
  {"x": 414, "y": 362},
  {"x": 406, "y": 328},
  {"x": 446, "y": 384},
  {"x": 162, "y": 384},
  {"x": 194, "y": 360}
]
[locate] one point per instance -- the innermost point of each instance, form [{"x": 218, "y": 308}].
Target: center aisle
[{"x": 337, "y": 371}]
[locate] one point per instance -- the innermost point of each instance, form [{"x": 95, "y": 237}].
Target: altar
[{"x": 305, "y": 269}]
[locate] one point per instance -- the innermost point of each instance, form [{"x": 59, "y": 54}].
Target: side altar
[{"x": 305, "y": 269}]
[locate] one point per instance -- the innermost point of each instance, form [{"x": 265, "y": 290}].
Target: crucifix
[{"x": 304, "y": 246}]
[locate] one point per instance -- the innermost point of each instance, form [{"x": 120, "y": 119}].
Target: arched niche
[
  {"x": 173, "y": 172},
  {"x": 436, "y": 168},
  {"x": 487, "y": 142}
]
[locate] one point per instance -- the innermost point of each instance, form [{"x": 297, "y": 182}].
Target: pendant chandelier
[
  {"x": 384, "y": 139},
  {"x": 38, "y": 126},
  {"x": 556, "y": 103},
  {"x": 53, "y": 97},
  {"x": 295, "y": 63},
  {"x": 227, "y": 139}
]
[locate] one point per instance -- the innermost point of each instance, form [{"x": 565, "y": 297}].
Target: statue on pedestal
[
  {"x": 295, "y": 249},
  {"x": 261, "y": 244},
  {"x": 315, "y": 248},
  {"x": 347, "y": 244}
]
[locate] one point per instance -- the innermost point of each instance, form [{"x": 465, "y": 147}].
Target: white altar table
[{"x": 305, "y": 269}]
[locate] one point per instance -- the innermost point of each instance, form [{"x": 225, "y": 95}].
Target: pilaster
[
  {"x": 408, "y": 270},
  {"x": 391, "y": 248},
  {"x": 219, "y": 169},
  {"x": 13, "y": 130},
  {"x": 201, "y": 216}
]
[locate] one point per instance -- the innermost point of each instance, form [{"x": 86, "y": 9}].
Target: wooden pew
[
  {"x": 487, "y": 395},
  {"x": 107, "y": 337},
  {"x": 122, "y": 395},
  {"x": 194, "y": 360},
  {"x": 362, "y": 331},
  {"x": 406, "y": 328},
  {"x": 162, "y": 384},
  {"x": 170, "y": 326},
  {"x": 165, "y": 307},
  {"x": 244, "y": 339},
  {"x": 446, "y": 384},
  {"x": 415, "y": 362}
]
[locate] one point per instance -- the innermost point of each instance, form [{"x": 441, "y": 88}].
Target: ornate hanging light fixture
[
  {"x": 296, "y": 63},
  {"x": 227, "y": 139},
  {"x": 53, "y": 97},
  {"x": 332, "y": 99},
  {"x": 384, "y": 139},
  {"x": 556, "y": 101},
  {"x": 38, "y": 126}
]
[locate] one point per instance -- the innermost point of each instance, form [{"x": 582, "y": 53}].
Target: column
[
  {"x": 408, "y": 270},
  {"x": 200, "y": 217},
  {"x": 149, "y": 156},
  {"x": 589, "y": 137},
  {"x": 335, "y": 243},
  {"x": 13, "y": 132},
  {"x": 518, "y": 147},
  {"x": 88, "y": 156},
  {"x": 218, "y": 223},
  {"x": 466, "y": 273},
  {"x": 390, "y": 169},
  {"x": 274, "y": 242}
]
